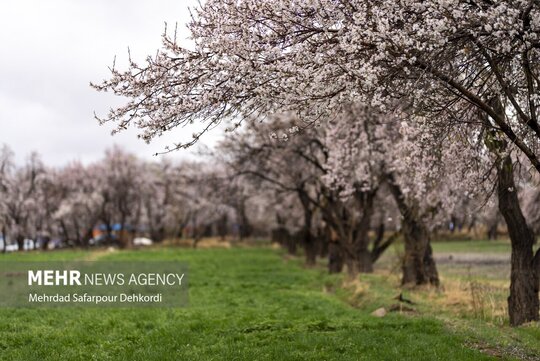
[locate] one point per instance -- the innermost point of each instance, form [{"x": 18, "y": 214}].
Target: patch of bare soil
[
  {"x": 96, "y": 255},
  {"x": 472, "y": 258},
  {"x": 502, "y": 352}
]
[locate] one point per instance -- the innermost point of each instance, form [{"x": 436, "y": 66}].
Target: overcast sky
[{"x": 52, "y": 49}]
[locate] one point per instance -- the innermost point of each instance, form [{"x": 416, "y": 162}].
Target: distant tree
[
  {"x": 293, "y": 167},
  {"x": 21, "y": 199},
  {"x": 48, "y": 198},
  {"x": 158, "y": 188},
  {"x": 6, "y": 169},
  {"x": 120, "y": 182},
  {"x": 80, "y": 206}
]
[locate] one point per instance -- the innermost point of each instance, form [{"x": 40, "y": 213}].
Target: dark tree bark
[
  {"x": 196, "y": 239},
  {"x": 125, "y": 236},
  {"x": 87, "y": 237},
  {"x": 78, "y": 237},
  {"x": 283, "y": 237},
  {"x": 418, "y": 264},
  {"x": 351, "y": 231},
  {"x": 492, "y": 232},
  {"x": 305, "y": 237},
  {"x": 291, "y": 246},
  {"x": 322, "y": 240},
  {"x": 361, "y": 242},
  {"x": 340, "y": 250},
  {"x": 45, "y": 243},
  {"x": 157, "y": 235},
  {"x": 523, "y": 304},
  {"x": 472, "y": 224},
  {"x": 492, "y": 226},
  {"x": 280, "y": 236},
  {"x": 108, "y": 235},
  {"x": 245, "y": 228},
  {"x": 182, "y": 224},
  {"x": 196, "y": 232},
  {"x": 380, "y": 245},
  {"x": 453, "y": 222},
  {"x": 222, "y": 226},
  {"x": 4, "y": 239},
  {"x": 335, "y": 258},
  {"x": 65, "y": 232},
  {"x": 20, "y": 243}
]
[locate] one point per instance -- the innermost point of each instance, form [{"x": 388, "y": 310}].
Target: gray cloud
[{"x": 52, "y": 49}]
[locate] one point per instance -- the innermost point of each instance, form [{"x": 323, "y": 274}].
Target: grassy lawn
[
  {"x": 477, "y": 246},
  {"x": 257, "y": 304}
]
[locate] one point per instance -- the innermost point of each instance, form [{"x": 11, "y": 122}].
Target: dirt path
[
  {"x": 472, "y": 258},
  {"x": 96, "y": 255}
]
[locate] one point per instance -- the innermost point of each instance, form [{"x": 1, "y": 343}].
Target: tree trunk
[
  {"x": 157, "y": 235},
  {"x": 245, "y": 228},
  {"x": 77, "y": 231},
  {"x": 380, "y": 244},
  {"x": 310, "y": 247},
  {"x": 418, "y": 264},
  {"x": 45, "y": 243},
  {"x": 361, "y": 235},
  {"x": 523, "y": 304},
  {"x": 64, "y": 231},
  {"x": 196, "y": 239},
  {"x": 322, "y": 240},
  {"x": 222, "y": 227},
  {"x": 280, "y": 236},
  {"x": 291, "y": 246},
  {"x": 87, "y": 236},
  {"x": 364, "y": 260},
  {"x": 350, "y": 224},
  {"x": 341, "y": 251},
  {"x": 349, "y": 255},
  {"x": 20, "y": 243},
  {"x": 492, "y": 232},
  {"x": 125, "y": 236},
  {"x": 352, "y": 267},
  {"x": 335, "y": 258},
  {"x": 305, "y": 236},
  {"x": 4, "y": 239},
  {"x": 109, "y": 235}
]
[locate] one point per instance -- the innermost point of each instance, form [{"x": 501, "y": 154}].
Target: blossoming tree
[{"x": 455, "y": 61}]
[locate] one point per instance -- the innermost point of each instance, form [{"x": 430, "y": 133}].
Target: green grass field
[{"x": 258, "y": 304}]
